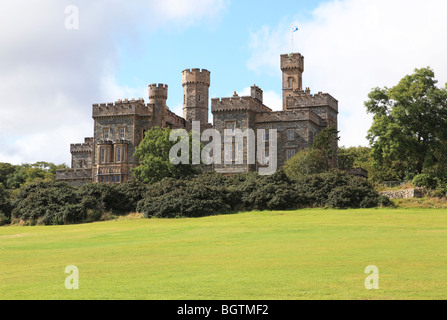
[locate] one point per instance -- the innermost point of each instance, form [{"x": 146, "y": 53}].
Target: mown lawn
[{"x": 303, "y": 254}]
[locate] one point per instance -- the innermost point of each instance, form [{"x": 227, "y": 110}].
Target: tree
[
  {"x": 409, "y": 124},
  {"x": 325, "y": 141},
  {"x": 155, "y": 162},
  {"x": 305, "y": 162}
]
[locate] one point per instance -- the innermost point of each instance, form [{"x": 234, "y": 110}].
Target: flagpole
[{"x": 292, "y": 39}]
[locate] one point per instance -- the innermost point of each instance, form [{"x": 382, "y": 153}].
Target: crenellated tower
[
  {"x": 158, "y": 94},
  {"x": 292, "y": 67},
  {"x": 196, "y": 85}
]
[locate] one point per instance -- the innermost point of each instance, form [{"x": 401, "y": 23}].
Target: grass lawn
[{"x": 302, "y": 254}]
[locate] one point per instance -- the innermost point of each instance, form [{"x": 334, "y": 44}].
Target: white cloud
[
  {"x": 352, "y": 46},
  {"x": 50, "y": 76}
]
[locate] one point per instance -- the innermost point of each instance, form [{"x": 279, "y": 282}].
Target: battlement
[
  {"x": 78, "y": 176},
  {"x": 292, "y": 61},
  {"x": 158, "y": 91},
  {"x": 303, "y": 98},
  {"x": 124, "y": 107},
  {"x": 237, "y": 103},
  {"x": 196, "y": 75},
  {"x": 285, "y": 116},
  {"x": 87, "y": 146}
]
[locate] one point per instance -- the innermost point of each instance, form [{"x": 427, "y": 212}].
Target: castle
[{"x": 119, "y": 127}]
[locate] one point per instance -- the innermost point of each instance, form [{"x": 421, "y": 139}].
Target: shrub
[
  {"x": 186, "y": 201},
  {"x": 45, "y": 202},
  {"x": 103, "y": 197},
  {"x": 336, "y": 189},
  {"x": 425, "y": 180}
]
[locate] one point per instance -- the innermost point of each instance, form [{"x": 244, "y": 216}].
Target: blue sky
[
  {"x": 220, "y": 46},
  {"x": 50, "y": 76}
]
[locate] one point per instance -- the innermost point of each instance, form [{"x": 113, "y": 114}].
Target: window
[
  {"x": 102, "y": 179},
  {"x": 113, "y": 178},
  {"x": 122, "y": 133},
  {"x": 122, "y": 154},
  {"x": 118, "y": 154},
  {"x": 290, "y": 154},
  {"x": 231, "y": 126},
  {"x": 106, "y": 134},
  {"x": 107, "y": 178},
  {"x": 118, "y": 178},
  {"x": 266, "y": 135},
  {"x": 290, "y": 82},
  {"x": 229, "y": 152},
  {"x": 265, "y": 158},
  {"x": 103, "y": 155},
  {"x": 198, "y": 98},
  {"x": 290, "y": 134}
]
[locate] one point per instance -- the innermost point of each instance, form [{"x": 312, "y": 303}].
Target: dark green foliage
[
  {"x": 305, "y": 162},
  {"x": 131, "y": 192},
  {"x": 337, "y": 189},
  {"x": 47, "y": 203},
  {"x": 408, "y": 131},
  {"x": 153, "y": 154},
  {"x": 5, "y": 206},
  {"x": 425, "y": 180}
]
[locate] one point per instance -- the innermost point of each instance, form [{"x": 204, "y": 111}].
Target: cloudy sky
[{"x": 51, "y": 73}]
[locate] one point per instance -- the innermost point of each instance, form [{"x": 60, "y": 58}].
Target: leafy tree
[
  {"x": 305, "y": 162},
  {"x": 325, "y": 141},
  {"x": 408, "y": 130},
  {"x": 155, "y": 162},
  {"x": 6, "y": 169}
]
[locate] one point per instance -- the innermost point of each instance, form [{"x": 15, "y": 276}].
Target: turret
[
  {"x": 196, "y": 85},
  {"x": 158, "y": 94},
  {"x": 292, "y": 67}
]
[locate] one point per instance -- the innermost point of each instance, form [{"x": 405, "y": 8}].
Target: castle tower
[
  {"x": 292, "y": 67},
  {"x": 196, "y": 85},
  {"x": 158, "y": 94}
]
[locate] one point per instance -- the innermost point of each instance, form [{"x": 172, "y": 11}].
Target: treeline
[{"x": 55, "y": 203}]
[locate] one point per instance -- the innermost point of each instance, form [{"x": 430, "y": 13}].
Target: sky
[{"x": 58, "y": 57}]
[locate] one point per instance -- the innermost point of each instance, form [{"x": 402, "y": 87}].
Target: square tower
[{"x": 292, "y": 67}]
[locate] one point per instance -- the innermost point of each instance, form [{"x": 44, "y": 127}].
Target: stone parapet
[
  {"x": 196, "y": 76},
  {"x": 292, "y": 61},
  {"x": 237, "y": 103},
  {"x": 303, "y": 98},
  {"x": 287, "y": 116},
  {"x": 121, "y": 108},
  {"x": 74, "y": 176}
]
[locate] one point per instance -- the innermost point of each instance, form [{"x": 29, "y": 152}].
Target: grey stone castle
[{"x": 119, "y": 127}]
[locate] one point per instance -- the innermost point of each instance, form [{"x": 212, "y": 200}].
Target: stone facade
[{"x": 119, "y": 127}]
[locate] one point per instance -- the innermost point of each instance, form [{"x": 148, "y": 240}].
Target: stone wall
[
  {"x": 74, "y": 177},
  {"x": 404, "y": 194}
]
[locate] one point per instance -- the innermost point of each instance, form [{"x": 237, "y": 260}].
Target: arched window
[{"x": 118, "y": 154}]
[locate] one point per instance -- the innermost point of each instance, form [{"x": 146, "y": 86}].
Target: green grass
[{"x": 303, "y": 254}]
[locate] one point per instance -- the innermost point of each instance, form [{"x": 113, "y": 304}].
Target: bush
[
  {"x": 103, "y": 197},
  {"x": 425, "y": 180},
  {"x": 189, "y": 200},
  {"x": 47, "y": 203},
  {"x": 337, "y": 189}
]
